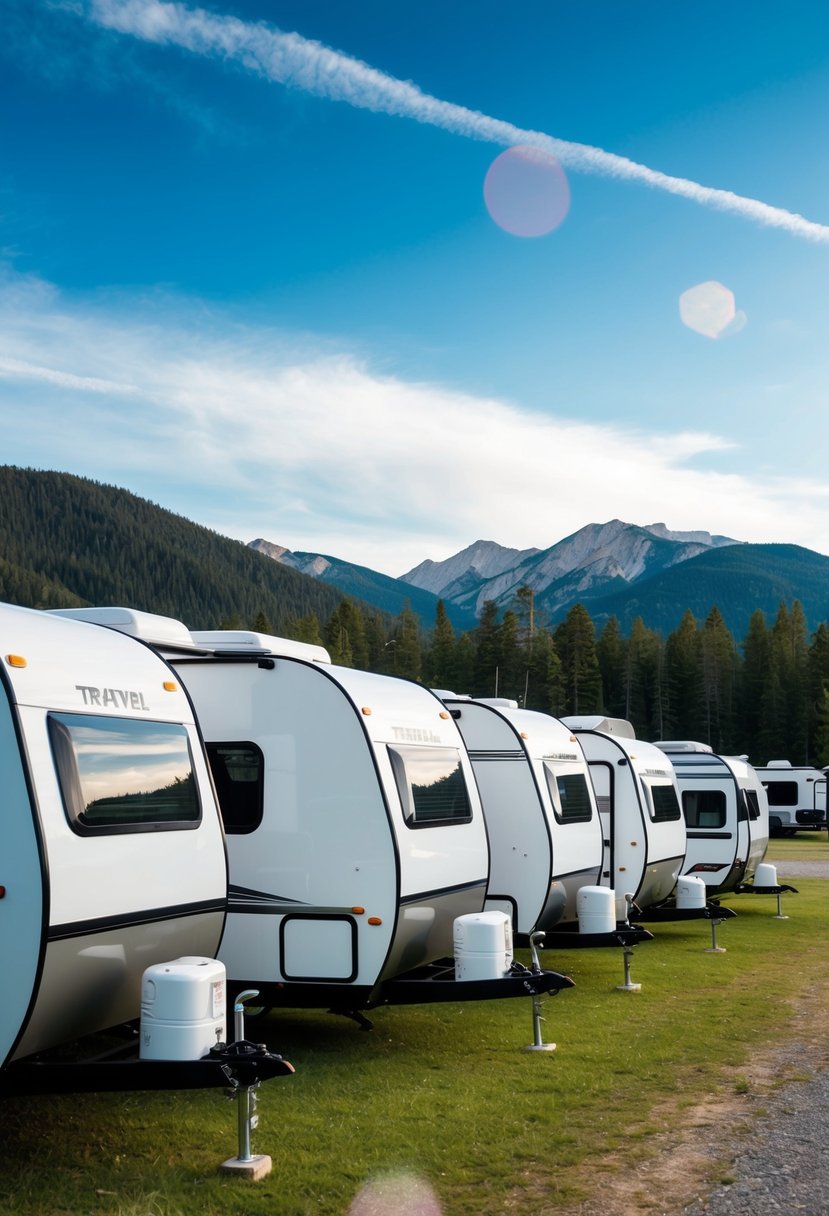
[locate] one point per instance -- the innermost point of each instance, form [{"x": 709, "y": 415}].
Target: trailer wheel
[{"x": 775, "y": 824}]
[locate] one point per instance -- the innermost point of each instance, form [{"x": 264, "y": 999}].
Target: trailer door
[{"x": 21, "y": 889}]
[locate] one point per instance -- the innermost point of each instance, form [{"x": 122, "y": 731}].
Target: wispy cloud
[
  {"x": 289, "y": 59},
  {"x": 320, "y": 452}
]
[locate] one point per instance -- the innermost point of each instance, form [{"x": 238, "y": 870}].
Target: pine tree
[
  {"x": 439, "y": 664},
  {"x": 683, "y": 684},
  {"x": 575, "y": 641}
]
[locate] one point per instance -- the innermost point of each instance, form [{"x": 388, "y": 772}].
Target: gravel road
[{"x": 781, "y": 1165}]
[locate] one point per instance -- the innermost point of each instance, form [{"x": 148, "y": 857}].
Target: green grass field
[{"x": 444, "y": 1100}]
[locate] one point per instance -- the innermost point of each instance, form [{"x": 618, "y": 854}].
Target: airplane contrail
[{"x": 301, "y": 63}]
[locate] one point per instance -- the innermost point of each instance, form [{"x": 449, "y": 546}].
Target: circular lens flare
[
  {"x": 709, "y": 309},
  {"x": 397, "y": 1194},
  {"x": 526, "y": 191}
]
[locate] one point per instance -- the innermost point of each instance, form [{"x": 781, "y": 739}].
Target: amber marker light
[
  {"x": 170, "y": 686},
  {"x": 524, "y": 735},
  {"x": 358, "y": 911},
  {"x": 375, "y": 920},
  {"x": 366, "y": 710},
  {"x": 16, "y": 660},
  {"x": 443, "y": 714}
]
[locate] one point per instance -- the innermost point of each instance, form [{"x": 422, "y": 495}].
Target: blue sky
[{"x": 248, "y": 269}]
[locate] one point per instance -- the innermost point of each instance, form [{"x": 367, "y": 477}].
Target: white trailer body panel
[
  {"x": 796, "y": 796},
  {"x": 726, "y": 816},
  {"x": 337, "y": 886},
  {"x": 112, "y": 826},
  {"x": 638, "y": 798},
  {"x": 526, "y": 765}
]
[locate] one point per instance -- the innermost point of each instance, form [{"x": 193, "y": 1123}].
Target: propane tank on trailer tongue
[
  {"x": 596, "y": 909},
  {"x": 183, "y": 1009},
  {"x": 483, "y": 946}
]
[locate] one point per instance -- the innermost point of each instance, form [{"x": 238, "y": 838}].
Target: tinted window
[
  {"x": 704, "y": 808},
  {"x": 571, "y": 799},
  {"x": 664, "y": 803},
  {"x": 238, "y": 774},
  {"x": 123, "y": 774},
  {"x": 752, "y": 803},
  {"x": 432, "y": 785},
  {"x": 782, "y": 793}
]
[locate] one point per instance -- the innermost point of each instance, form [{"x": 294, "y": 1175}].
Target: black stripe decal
[
  {"x": 107, "y": 924},
  {"x": 478, "y": 756},
  {"x": 443, "y": 891}
]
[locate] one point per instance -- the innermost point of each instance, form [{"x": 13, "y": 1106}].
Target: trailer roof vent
[
  {"x": 779, "y": 764},
  {"x": 682, "y": 745},
  {"x": 248, "y": 640},
  {"x": 148, "y": 626},
  {"x": 605, "y": 726}
]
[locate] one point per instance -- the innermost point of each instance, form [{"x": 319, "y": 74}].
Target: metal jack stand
[
  {"x": 538, "y": 1043},
  {"x": 246, "y": 1164},
  {"x": 628, "y": 986},
  {"x": 714, "y": 948},
  {"x": 780, "y": 914}
]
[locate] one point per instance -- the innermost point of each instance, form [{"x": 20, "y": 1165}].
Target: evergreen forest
[{"x": 66, "y": 541}]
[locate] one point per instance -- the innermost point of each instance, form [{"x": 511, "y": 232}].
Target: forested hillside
[{"x": 65, "y": 541}]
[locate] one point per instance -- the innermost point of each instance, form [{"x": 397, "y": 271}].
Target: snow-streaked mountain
[
  {"x": 597, "y": 559},
  {"x": 390, "y": 595}
]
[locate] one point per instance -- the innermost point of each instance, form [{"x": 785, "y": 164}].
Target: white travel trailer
[
  {"x": 544, "y": 830},
  {"x": 796, "y": 794},
  {"x": 726, "y": 815},
  {"x": 354, "y": 828},
  {"x": 113, "y": 857},
  {"x": 638, "y": 799}
]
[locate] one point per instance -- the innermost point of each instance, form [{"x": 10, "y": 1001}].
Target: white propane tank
[
  {"x": 483, "y": 946},
  {"x": 691, "y": 892},
  {"x": 765, "y": 875},
  {"x": 596, "y": 908},
  {"x": 182, "y": 1009}
]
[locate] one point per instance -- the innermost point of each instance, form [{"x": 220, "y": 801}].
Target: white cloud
[
  {"x": 322, "y": 453},
  {"x": 290, "y": 59}
]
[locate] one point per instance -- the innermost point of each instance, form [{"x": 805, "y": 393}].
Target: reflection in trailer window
[
  {"x": 664, "y": 804},
  {"x": 570, "y": 796},
  {"x": 124, "y": 774},
  {"x": 432, "y": 786},
  {"x": 238, "y": 773},
  {"x": 704, "y": 808}
]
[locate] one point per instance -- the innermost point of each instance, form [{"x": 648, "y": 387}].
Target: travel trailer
[
  {"x": 726, "y": 815},
  {"x": 113, "y": 856},
  {"x": 355, "y": 833},
  {"x": 545, "y": 835},
  {"x": 638, "y": 799},
  {"x": 796, "y": 794}
]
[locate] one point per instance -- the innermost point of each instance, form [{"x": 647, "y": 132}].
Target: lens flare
[
  {"x": 709, "y": 309},
  {"x": 398, "y": 1194},
  {"x": 526, "y": 191}
]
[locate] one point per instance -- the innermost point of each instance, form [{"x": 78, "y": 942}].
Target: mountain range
[
  {"x": 613, "y": 569},
  {"x": 67, "y": 540}
]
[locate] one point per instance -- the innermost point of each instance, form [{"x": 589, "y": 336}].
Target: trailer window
[
  {"x": 782, "y": 793},
  {"x": 704, "y": 808},
  {"x": 664, "y": 804},
  {"x": 432, "y": 786},
  {"x": 123, "y": 774},
  {"x": 752, "y": 804},
  {"x": 238, "y": 773},
  {"x": 570, "y": 796}
]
